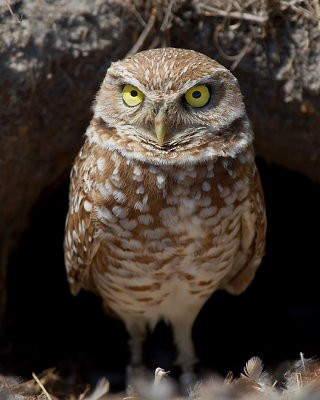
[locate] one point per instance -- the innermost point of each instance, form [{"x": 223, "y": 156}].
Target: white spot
[
  {"x": 137, "y": 170},
  {"x": 157, "y": 233},
  {"x": 145, "y": 219},
  {"x": 206, "y": 186},
  {"x": 106, "y": 193},
  {"x": 101, "y": 163},
  {"x": 81, "y": 228},
  {"x": 145, "y": 199},
  {"x": 230, "y": 199},
  {"x": 225, "y": 164},
  {"x": 205, "y": 201},
  {"x": 141, "y": 206},
  {"x": 169, "y": 216},
  {"x": 187, "y": 206},
  {"x": 177, "y": 190},
  {"x": 238, "y": 185},
  {"x": 220, "y": 188},
  {"x": 213, "y": 221},
  {"x": 224, "y": 211},
  {"x": 258, "y": 198},
  {"x": 104, "y": 213},
  {"x": 69, "y": 238},
  {"x": 210, "y": 174},
  {"x": 161, "y": 178},
  {"x": 224, "y": 192},
  {"x": 116, "y": 179},
  {"x": 140, "y": 189},
  {"x": 120, "y": 212},
  {"x": 153, "y": 169},
  {"x": 108, "y": 186},
  {"x": 160, "y": 245},
  {"x": 75, "y": 236},
  {"x": 87, "y": 206},
  {"x": 128, "y": 224},
  {"x": 75, "y": 171},
  {"x": 232, "y": 173},
  {"x": 179, "y": 175},
  {"x": 119, "y": 196},
  {"x": 197, "y": 196},
  {"x": 190, "y": 171},
  {"x": 168, "y": 212},
  {"x": 131, "y": 244},
  {"x": 172, "y": 200},
  {"x": 117, "y": 229},
  {"x": 121, "y": 253},
  {"x": 208, "y": 212}
]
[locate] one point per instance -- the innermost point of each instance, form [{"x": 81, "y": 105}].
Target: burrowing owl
[{"x": 166, "y": 204}]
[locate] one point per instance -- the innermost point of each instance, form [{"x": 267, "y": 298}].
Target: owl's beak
[{"x": 159, "y": 126}]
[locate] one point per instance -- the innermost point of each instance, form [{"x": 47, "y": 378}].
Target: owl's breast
[{"x": 168, "y": 236}]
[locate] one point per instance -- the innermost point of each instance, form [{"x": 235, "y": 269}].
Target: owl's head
[{"x": 170, "y": 105}]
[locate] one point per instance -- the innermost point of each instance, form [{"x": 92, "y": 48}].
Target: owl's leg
[
  {"x": 137, "y": 329},
  {"x": 182, "y": 333}
]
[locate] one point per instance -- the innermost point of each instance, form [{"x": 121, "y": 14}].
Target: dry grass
[
  {"x": 254, "y": 17},
  {"x": 300, "y": 382}
]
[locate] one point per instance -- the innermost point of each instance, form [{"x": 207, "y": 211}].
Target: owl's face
[{"x": 172, "y": 105}]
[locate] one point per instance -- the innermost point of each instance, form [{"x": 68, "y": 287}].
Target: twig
[
  {"x": 155, "y": 42},
  {"x": 18, "y": 19},
  {"x": 245, "y": 50},
  {"x": 137, "y": 14},
  {"x": 41, "y": 386},
  {"x": 217, "y": 43},
  {"x": 5, "y": 382},
  {"x": 317, "y": 8},
  {"x": 213, "y": 11},
  {"x": 139, "y": 43},
  {"x": 165, "y": 21}
]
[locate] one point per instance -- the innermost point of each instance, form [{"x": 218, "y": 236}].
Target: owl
[{"x": 166, "y": 204}]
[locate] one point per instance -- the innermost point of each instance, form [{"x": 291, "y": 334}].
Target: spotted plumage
[{"x": 166, "y": 204}]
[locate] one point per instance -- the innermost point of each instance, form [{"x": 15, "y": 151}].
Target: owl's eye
[
  {"x": 197, "y": 96},
  {"x": 132, "y": 96}
]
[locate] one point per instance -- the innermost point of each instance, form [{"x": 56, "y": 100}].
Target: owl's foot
[
  {"x": 134, "y": 376},
  {"x": 187, "y": 381},
  {"x": 143, "y": 384},
  {"x": 186, "y": 378}
]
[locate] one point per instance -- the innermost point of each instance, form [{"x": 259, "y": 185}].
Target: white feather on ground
[{"x": 300, "y": 382}]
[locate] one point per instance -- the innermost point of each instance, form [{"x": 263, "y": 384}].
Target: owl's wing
[
  {"x": 252, "y": 245},
  {"x": 81, "y": 239}
]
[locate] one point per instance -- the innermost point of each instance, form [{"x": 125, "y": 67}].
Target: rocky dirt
[{"x": 54, "y": 54}]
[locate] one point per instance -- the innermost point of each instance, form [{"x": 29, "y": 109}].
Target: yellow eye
[
  {"x": 197, "y": 96},
  {"x": 132, "y": 96}
]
